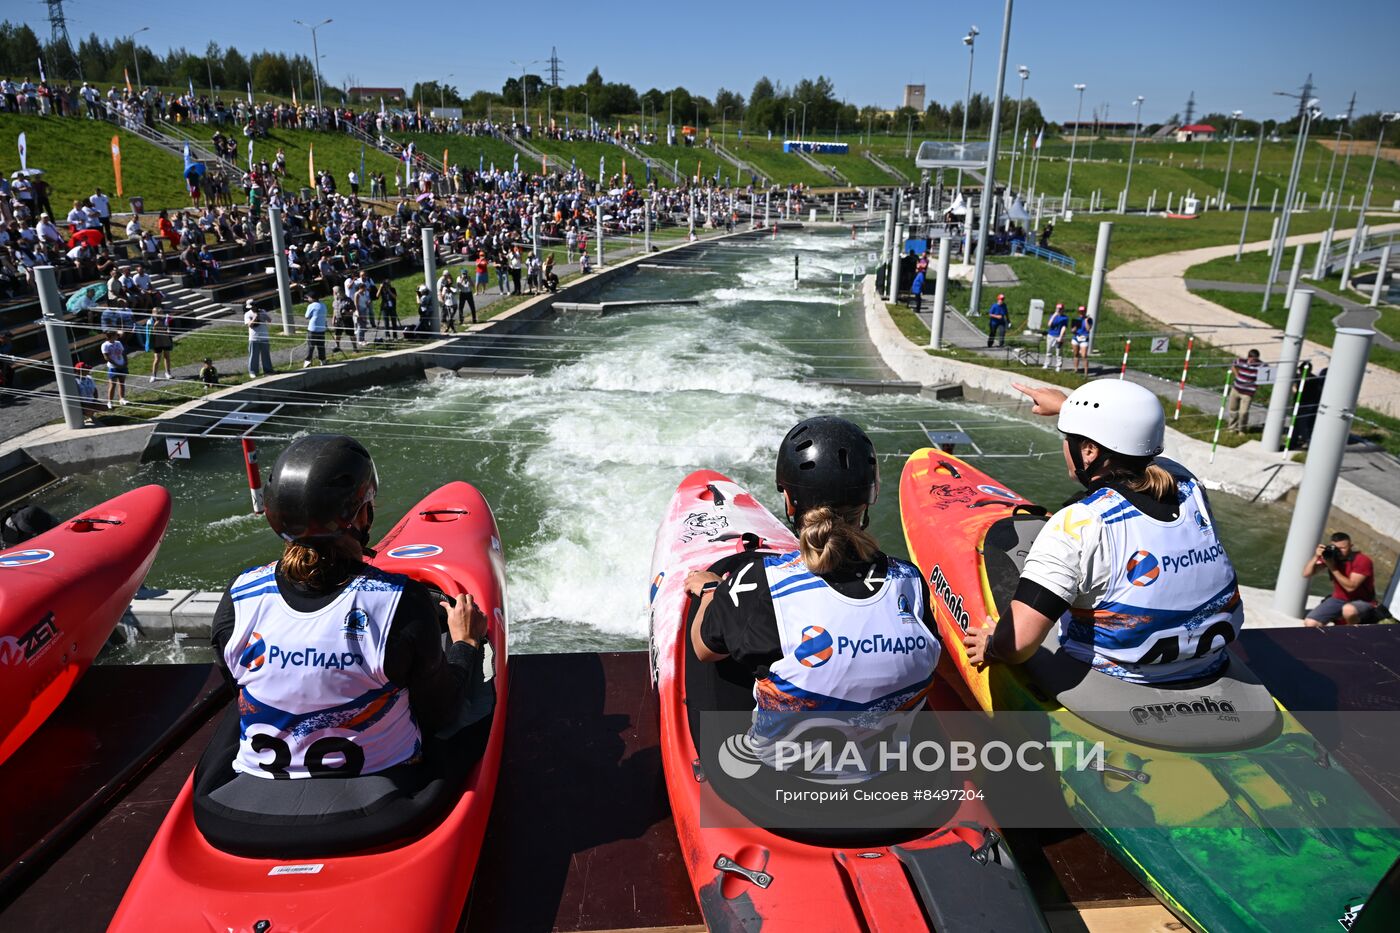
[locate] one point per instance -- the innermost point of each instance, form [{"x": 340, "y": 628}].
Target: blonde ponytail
[
  {"x": 1155, "y": 482},
  {"x": 830, "y": 537},
  {"x": 314, "y": 567}
]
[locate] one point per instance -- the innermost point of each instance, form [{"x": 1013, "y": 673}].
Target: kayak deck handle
[
  {"x": 726, "y": 864},
  {"x": 92, "y": 520},
  {"x": 432, "y": 515},
  {"x": 943, "y": 466}
]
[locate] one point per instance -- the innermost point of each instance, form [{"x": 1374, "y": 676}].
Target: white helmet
[{"x": 1120, "y": 416}]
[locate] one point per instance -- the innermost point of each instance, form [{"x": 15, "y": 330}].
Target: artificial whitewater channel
[{"x": 580, "y": 459}]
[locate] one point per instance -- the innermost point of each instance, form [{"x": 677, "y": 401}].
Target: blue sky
[{"x": 1232, "y": 53}]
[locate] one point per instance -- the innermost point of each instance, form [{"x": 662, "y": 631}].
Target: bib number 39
[{"x": 352, "y": 757}]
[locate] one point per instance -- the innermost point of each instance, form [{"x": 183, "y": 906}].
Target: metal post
[
  {"x": 279, "y": 262},
  {"x": 1096, "y": 283},
  {"x": 51, "y": 303},
  {"x": 1253, "y": 194},
  {"x": 894, "y": 264},
  {"x": 600, "y": 240},
  {"x": 940, "y": 294},
  {"x": 1288, "y": 354},
  {"x": 1335, "y": 411},
  {"x": 1132, "y": 149},
  {"x": 989, "y": 188},
  {"x": 1293, "y": 276},
  {"x": 1380, "y": 276},
  {"x": 1074, "y": 144},
  {"x": 430, "y": 277},
  {"x": 1273, "y": 237},
  {"x": 1359, "y": 237},
  {"x": 646, "y": 228}
]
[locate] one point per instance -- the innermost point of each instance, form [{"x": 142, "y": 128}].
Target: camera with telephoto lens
[{"x": 1331, "y": 552}]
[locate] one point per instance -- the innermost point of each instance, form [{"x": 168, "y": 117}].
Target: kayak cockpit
[
  {"x": 323, "y": 816},
  {"x": 1232, "y": 709}
]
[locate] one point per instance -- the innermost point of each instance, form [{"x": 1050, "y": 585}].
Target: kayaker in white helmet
[
  {"x": 339, "y": 667},
  {"x": 1133, "y": 568},
  {"x": 837, "y": 624}
]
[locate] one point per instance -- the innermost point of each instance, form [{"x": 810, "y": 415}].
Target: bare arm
[
  {"x": 1314, "y": 561},
  {"x": 1011, "y": 644}
]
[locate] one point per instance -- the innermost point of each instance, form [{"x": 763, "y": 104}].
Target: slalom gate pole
[
  {"x": 250, "y": 460},
  {"x": 1185, "y": 367},
  {"x": 1220, "y": 416},
  {"x": 1297, "y": 403},
  {"x": 1127, "y": 345}
]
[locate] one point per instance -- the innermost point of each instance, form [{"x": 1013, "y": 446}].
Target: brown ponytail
[
  {"x": 1155, "y": 482},
  {"x": 321, "y": 567},
  {"x": 830, "y": 537}
]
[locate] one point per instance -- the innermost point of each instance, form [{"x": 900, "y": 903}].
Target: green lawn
[
  {"x": 336, "y": 152},
  {"x": 1253, "y": 267},
  {"x": 856, "y": 168},
  {"x": 1319, "y": 330},
  {"x": 467, "y": 151},
  {"x": 1193, "y": 422},
  {"x": 781, "y": 167},
  {"x": 685, "y": 159},
  {"x": 76, "y": 154}
]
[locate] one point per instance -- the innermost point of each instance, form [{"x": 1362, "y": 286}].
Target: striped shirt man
[{"x": 1247, "y": 373}]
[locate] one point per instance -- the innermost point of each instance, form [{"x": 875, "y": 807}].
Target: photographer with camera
[{"x": 1353, "y": 599}]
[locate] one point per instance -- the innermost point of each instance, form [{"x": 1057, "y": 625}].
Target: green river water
[{"x": 580, "y": 460}]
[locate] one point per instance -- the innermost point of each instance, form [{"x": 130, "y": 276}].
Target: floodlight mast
[
  {"x": 1025, "y": 73},
  {"x": 1132, "y": 148},
  {"x": 1310, "y": 113},
  {"x": 969, "y": 40},
  {"x": 1074, "y": 144}
]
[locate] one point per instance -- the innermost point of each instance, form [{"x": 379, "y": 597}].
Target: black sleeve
[
  {"x": 220, "y": 631},
  {"x": 740, "y": 620},
  {"x": 1051, "y": 605},
  {"x": 930, "y": 622},
  {"x": 440, "y": 683}
]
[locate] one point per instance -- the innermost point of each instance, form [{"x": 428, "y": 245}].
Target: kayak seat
[
  {"x": 255, "y": 817},
  {"x": 1232, "y": 709}
]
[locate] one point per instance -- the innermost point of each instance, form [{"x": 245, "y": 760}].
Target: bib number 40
[{"x": 1167, "y": 648}]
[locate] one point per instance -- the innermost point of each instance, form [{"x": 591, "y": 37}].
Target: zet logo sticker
[
  {"x": 816, "y": 648},
  {"x": 413, "y": 551},
  {"x": 1143, "y": 569},
  {"x": 998, "y": 492},
  {"x": 25, "y": 558}
]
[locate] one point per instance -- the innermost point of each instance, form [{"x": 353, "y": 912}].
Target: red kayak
[
  {"x": 61, "y": 594},
  {"x": 416, "y": 882},
  {"x": 954, "y": 874}
]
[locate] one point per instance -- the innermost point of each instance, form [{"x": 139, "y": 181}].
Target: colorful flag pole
[
  {"x": 250, "y": 93},
  {"x": 117, "y": 162},
  {"x": 601, "y": 178},
  {"x": 127, "y": 77},
  {"x": 444, "y": 161},
  {"x": 1297, "y": 403},
  {"x": 311, "y": 164},
  {"x": 1185, "y": 367},
  {"x": 42, "y": 77},
  {"x": 1220, "y": 415},
  {"x": 1127, "y": 345},
  {"x": 23, "y": 154}
]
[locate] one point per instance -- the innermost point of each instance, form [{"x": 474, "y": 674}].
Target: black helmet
[
  {"x": 827, "y": 461},
  {"x": 318, "y": 486}
]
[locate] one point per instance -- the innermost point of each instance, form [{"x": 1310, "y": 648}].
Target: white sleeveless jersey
[
  {"x": 843, "y": 654},
  {"x": 1172, "y": 601},
  {"x": 312, "y": 694}
]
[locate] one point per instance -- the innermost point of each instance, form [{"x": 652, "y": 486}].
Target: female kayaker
[
  {"x": 339, "y": 667},
  {"x": 837, "y": 624},
  {"x": 1135, "y": 560}
]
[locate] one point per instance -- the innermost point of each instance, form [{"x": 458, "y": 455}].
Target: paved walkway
[{"x": 1157, "y": 286}]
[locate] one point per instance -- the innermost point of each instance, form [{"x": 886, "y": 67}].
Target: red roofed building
[{"x": 1196, "y": 132}]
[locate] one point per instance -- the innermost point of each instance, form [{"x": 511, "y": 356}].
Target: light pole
[
  {"x": 791, "y": 112},
  {"x": 1341, "y": 122},
  {"x": 1132, "y": 148},
  {"x": 1310, "y": 113},
  {"x": 1249, "y": 196},
  {"x": 802, "y": 136},
  {"x": 587, "y": 119},
  {"x": 1069, "y": 175},
  {"x": 969, "y": 40},
  {"x": 525, "y": 90},
  {"x": 723, "y": 123},
  {"x": 988, "y": 205},
  {"x": 316, "y": 52},
  {"x": 1025, "y": 73},
  {"x": 1320, "y": 268},
  {"x": 1230, "y": 159},
  {"x": 909, "y": 137},
  {"x": 1366, "y": 198},
  {"x": 136, "y": 56},
  {"x": 442, "y": 91}
]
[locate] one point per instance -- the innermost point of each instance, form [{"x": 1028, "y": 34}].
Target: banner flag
[
  {"x": 23, "y": 154},
  {"x": 117, "y": 162},
  {"x": 311, "y": 164}
]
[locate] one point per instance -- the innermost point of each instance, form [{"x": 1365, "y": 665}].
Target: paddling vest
[
  {"x": 312, "y": 695},
  {"x": 842, "y": 654},
  {"x": 1172, "y": 602}
]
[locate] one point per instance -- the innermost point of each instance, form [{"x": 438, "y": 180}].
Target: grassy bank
[{"x": 1320, "y": 328}]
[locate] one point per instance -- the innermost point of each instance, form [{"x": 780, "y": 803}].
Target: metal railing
[{"x": 1040, "y": 252}]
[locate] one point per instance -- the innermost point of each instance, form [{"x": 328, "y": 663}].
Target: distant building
[
  {"x": 362, "y": 94},
  {"x": 914, "y": 96},
  {"x": 1195, "y": 132}
]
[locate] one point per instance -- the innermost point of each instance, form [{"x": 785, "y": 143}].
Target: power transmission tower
[
  {"x": 554, "y": 69},
  {"x": 1305, "y": 96},
  {"x": 58, "y": 33},
  {"x": 1190, "y": 110}
]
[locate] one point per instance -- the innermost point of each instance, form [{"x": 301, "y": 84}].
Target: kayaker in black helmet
[
  {"x": 836, "y": 624},
  {"x": 339, "y": 667},
  {"x": 1133, "y": 568}
]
